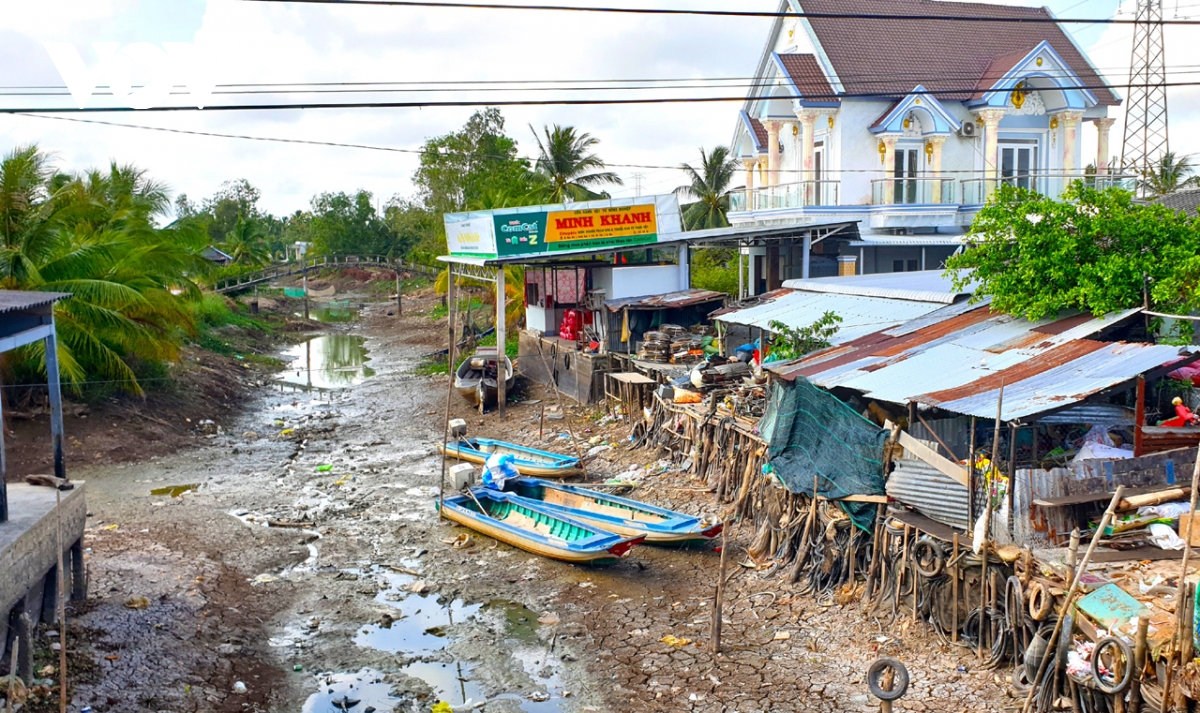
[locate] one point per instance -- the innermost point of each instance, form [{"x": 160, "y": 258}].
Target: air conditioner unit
[{"x": 968, "y": 130}]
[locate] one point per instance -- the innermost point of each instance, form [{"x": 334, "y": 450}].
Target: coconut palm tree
[
  {"x": 94, "y": 236},
  {"x": 709, "y": 187},
  {"x": 245, "y": 243},
  {"x": 1172, "y": 173},
  {"x": 566, "y": 163}
]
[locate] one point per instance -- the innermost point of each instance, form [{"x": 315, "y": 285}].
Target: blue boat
[
  {"x": 535, "y": 528},
  {"x": 528, "y": 461},
  {"x": 623, "y": 516}
]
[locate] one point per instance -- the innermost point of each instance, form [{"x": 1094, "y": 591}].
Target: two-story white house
[{"x": 908, "y": 126}]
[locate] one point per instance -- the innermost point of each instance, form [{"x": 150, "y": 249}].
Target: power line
[
  {"x": 391, "y": 149},
  {"x": 1029, "y": 20},
  {"x": 945, "y": 91},
  {"x": 900, "y": 73}
]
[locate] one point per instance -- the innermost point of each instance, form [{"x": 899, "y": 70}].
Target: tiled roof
[
  {"x": 1187, "y": 201},
  {"x": 808, "y": 76},
  {"x": 760, "y": 132},
  {"x": 950, "y": 58},
  {"x": 884, "y": 115}
]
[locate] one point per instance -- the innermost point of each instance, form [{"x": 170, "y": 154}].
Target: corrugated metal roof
[
  {"x": 13, "y": 300},
  {"x": 670, "y": 300},
  {"x": 860, "y": 315},
  {"x": 929, "y": 240},
  {"x": 956, "y": 360}
]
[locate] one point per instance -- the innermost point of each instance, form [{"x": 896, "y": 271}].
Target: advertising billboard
[{"x": 585, "y": 229}]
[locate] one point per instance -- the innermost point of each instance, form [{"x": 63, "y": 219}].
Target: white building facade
[{"x": 908, "y": 126}]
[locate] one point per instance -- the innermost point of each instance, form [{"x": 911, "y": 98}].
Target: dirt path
[{"x": 367, "y": 600}]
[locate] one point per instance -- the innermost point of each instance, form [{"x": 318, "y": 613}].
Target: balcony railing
[
  {"x": 913, "y": 191},
  {"x": 975, "y": 191},
  {"x": 787, "y": 195}
]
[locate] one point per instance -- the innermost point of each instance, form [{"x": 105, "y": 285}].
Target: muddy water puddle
[
  {"x": 423, "y": 627},
  {"x": 330, "y": 361},
  {"x": 367, "y": 689}
]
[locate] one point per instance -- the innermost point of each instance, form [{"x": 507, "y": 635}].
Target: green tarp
[{"x": 813, "y": 435}]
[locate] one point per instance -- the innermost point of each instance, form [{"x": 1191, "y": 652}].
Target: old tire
[
  {"x": 928, "y": 558},
  {"x": 899, "y": 682},
  {"x": 1118, "y": 685},
  {"x": 1040, "y": 601}
]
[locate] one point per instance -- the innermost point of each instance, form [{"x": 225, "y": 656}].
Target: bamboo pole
[
  {"x": 954, "y": 590},
  {"x": 1139, "y": 664},
  {"x": 1051, "y": 646},
  {"x": 1177, "y": 635},
  {"x": 719, "y": 599}
]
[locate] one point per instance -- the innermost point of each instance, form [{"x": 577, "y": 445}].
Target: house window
[
  {"x": 907, "y": 165},
  {"x": 897, "y": 266}
]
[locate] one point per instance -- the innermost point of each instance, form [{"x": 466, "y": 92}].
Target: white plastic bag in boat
[{"x": 498, "y": 470}]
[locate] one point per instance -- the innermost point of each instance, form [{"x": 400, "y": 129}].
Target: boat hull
[
  {"x": 475, "y": 389},
  {"x": 622, "y": 516},
  {"x": 600, "y": 548},
  {"x": 528, "y": 461}
]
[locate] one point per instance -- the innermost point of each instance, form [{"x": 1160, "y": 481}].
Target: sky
[{"x": 259, "y": 42}]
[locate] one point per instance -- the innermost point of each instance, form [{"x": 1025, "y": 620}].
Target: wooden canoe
[
  {"x": 620, "y": 515},
  {"x": 528, "y": 461},
  {"x": 475, "y": 387},
  {"x": 535, "y": 528}
]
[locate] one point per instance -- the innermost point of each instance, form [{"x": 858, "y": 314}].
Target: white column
[
  {"x": 991, "y": 151},
  {"x": 935, "y": 164},
  {"x": 888, "y": 159},
  {"x": 750, "y": 164},
  {"x": 806, "y": 260},
  {"x": 1102, "y": 129},
  {"x": 1069, "y": 122},
  {"x": 808, "y": 127},
  {"x": 501, "y": 344},
  {"x": 773, "y": 151}
]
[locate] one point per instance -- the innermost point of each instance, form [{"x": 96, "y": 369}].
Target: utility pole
[{"x": 1145, "y": 139}]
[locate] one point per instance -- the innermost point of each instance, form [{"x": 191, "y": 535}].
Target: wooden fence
[{"x": 287, "y": 269}]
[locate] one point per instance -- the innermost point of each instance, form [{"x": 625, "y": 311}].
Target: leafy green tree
[
  {"x": 417, "y": 231},
  {"x": 715, "y": 269},
  {"x": 1170, "y": 174},
  {"x": 1096, "y": 251},
  {"x": 344, "y": 224},
  {"x": 232, "y": 201},
  {"x": 709, "y": 188},
  {"x": 458, "y": 168},
  {"x": 570, "y": 169},
  {"x": 795, "y": 342},
  {"x": 95, "y": 236}
]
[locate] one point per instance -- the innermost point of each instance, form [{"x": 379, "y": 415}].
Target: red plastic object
[{"x": 570, "y": 327}]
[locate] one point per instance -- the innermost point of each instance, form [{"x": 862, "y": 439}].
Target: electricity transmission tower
[{"x": 1145, "y": 140}]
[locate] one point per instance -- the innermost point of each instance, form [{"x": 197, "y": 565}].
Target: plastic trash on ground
[{"x": 498, "y": 470}]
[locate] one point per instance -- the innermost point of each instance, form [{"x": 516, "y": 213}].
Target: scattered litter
[
  {"x": 239, "y": 687},
  {"x": 420, "y": 587},
  {"x": 548, "y": 619},
  {"x": 463, "y": 542},
  {"x": 782, "y": 635},
  {"x": 137, "y": 603},
  {"x": 324, "y": 468},
  {"x": 264, "y": 578},
  {"x": 674, "y": 641}
]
